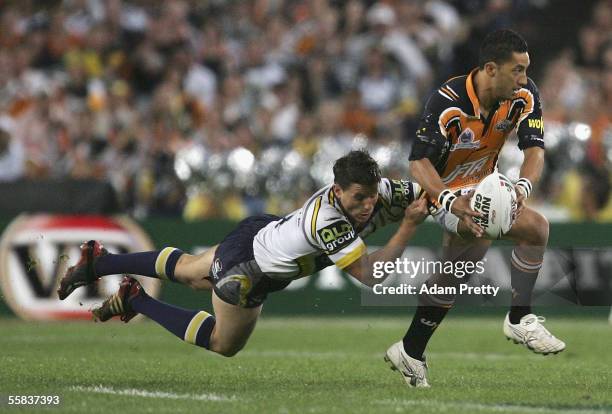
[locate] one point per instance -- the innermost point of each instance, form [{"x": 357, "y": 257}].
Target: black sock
[
  {"x": 523, "y": 275},
  {"x": 159, "y": 264},
  {"x": 192, "y": 326},
  {"x": 425, "y": 321}
]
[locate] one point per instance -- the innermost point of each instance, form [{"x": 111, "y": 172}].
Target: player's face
[
  {"x": 511, "y": 76},
  {"x": 357, "y": 200}
]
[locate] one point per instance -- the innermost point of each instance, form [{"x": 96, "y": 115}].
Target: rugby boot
[
  {"x": 118, "y": 304},
  {"x": 413, "y": 371},
  {"x": 531, "y": 333},
  {"x": 83, "y": 273}
]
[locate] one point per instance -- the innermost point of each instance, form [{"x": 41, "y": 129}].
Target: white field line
[
  {"x": 451, "y": 407},
  {"x": 132, "y": 392}
]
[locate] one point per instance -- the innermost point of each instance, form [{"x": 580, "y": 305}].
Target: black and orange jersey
[{"x": 461, "y": 143}]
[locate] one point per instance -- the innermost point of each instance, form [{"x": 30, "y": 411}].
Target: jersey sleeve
[
  {"x": 530, "y": 128},
  {"x": 395, "y": 196},
  {"x": 431, "y": 142},
  {"x": 335, "y": 236}
]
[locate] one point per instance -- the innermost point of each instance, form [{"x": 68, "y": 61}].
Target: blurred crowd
[
  {"x": 576, "y": 88},
  {"x": 229, "y": 108}
]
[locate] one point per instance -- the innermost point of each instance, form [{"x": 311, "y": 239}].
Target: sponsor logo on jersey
[
  {"x": 400, "y": 190},
  {"x": 466, "y": 169},
  {"x": 536, "y": 124},
  {"x": 36, "y": 251},
  {"x": 465, "y": 141},
  {"x": 482, "y": 204},
  {"x": 337, "y": 236}
]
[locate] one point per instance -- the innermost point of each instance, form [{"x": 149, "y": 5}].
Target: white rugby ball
[{"x": 495, "y": 198}]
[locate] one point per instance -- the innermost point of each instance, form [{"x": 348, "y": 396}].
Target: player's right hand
[{"x": 461, "y": 208}]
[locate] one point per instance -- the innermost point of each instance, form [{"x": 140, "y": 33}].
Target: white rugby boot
[
  {"x": 531, "y": 333},
  {"x": 413, "y": 370}
]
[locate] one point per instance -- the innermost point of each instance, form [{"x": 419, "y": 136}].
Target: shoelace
[
  {"x": 419, "y": 371},
  {"x": 538, "y": 330},
  {"x": 532, "y": 321}
]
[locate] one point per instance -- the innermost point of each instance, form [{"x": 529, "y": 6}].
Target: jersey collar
[
  {"x": 471, "y": 91},
  {"x": 331, "y": 197}
]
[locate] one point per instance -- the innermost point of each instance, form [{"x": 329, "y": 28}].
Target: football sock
[
  {"x": 192, "y": 326},
  {"x": 523, "y": 276},
  {"x": 159, "y": 264},
  {"x": 424, "y": 323}
]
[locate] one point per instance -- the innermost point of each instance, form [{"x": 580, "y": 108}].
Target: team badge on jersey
[{"x": 466, "y": 141}]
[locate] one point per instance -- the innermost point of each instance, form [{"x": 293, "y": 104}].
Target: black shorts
[{"x": 236, "y": 277}]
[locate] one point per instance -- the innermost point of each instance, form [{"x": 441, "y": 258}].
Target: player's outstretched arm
[{"x": 362, "y": 268}]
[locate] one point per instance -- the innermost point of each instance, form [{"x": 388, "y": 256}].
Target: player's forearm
[
  {"x": 389, "y": 253},
  {"x": 426, "y": 175},
  {"x": 396, "y": 244},
  {"x": 533, "y": 164}
]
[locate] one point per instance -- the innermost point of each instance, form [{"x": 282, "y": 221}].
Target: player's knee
[
  {"x": 225, "y": 347},
  {"x": 540, "y": 230},
  {"x": 227, "y": 350},
  {"x": 228, "y": 353},
  {"x": 534, "y": 231}
]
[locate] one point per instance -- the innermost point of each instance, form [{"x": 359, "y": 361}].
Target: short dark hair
[
  {"x": 499, "y": 45},
  {"x": 356, "y": 167}
]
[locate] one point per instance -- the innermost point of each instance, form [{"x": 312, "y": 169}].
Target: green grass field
[{"x": 298, "y": 365}]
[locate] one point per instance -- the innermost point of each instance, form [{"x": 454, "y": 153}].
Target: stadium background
[{"x": 190, "y": 115}]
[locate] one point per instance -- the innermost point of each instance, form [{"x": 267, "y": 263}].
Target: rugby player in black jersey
[{"x": 463, "y": 128}]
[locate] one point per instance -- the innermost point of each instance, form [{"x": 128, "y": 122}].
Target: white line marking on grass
[
  {"x": 132, "y": 392},
  {"x": 452, "y": 406}
]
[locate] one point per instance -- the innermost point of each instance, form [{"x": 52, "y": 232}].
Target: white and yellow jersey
[{"x": 320, "y": 234}]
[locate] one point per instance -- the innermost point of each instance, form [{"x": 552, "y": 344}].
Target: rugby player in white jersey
[{"x": 262, "y": 255}]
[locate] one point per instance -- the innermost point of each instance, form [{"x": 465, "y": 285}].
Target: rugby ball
[{"x": 495, "y": 198}]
